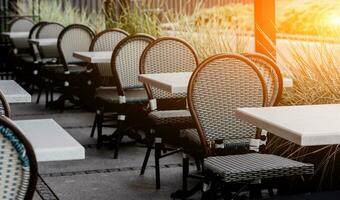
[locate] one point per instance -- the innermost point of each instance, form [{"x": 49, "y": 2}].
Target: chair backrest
[
  {"x": 106, "y": 41},
  {"x": 166, "y": 55},
  {"x": 21, "y": 24},
  {"x": 49, "y": 30},
  {"x": 33, "y": 35},
  {"x": 75, "y": 37},
  {"x": 5, "y": 109},
  {"x": 18, "y": 165},
  {"x": 220, "y": 85},
  {"x": 125, "y": 61},
  {"x": 271, "y": 74}
]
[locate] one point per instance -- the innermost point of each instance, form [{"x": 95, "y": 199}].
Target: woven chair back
[
  {"x": 271, "y": 74},
  {"x": 220, "y": 85},
  {"x": 75, "y": 37},
  {"x": 125, "y": 61},
  {"x": 106, "y": 41},
  {"x": 20, "y": 24},
  {"x": 49, "y": 31},
  {"x": 5, "y": 109},
  {"x": 166, "y": 55},
  {"x": 18, "y": 165}
]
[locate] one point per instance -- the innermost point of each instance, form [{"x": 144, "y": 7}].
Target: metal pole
[{"x": 265, "y": 32}]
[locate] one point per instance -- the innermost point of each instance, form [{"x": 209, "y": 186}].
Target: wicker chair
[
  {"x": 166, "y": 55},
  {"x": 18, "y": 165},
  {"x": 130, "y": 93},
  {"x": 72, "y": 73},
  {"x": 219, "y": 86},
  {"x": 273, "y": 78},
  {"x": 47, "y": 55},
  {"x": 271, "y": 74},
  {"x": 5, "y": 109},
  {"x": 20, "y": 24},
  {"x": 48, "y": 31},
  {"x": 102, "y": 75}
]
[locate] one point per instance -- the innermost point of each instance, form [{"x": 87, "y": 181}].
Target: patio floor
[{"x": 100, "y": 176}]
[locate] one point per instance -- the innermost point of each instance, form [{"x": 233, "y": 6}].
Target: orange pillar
[{"x": 265, "y": 31}]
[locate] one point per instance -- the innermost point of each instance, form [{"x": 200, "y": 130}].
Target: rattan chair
[
  {"x": 18, "y": 165},
  {"x": 219, "y": 86},
  {"x": 5, "y": 109},
  {"x": 20, "y": 24},
  {"x": 166, "y": 55},
  {"x": 271, "y": 74},
  {"x": 102, "y": 75},
  {"x": 72, "y": 73},
  {"x": 130, "y": 94},
  {"x": 47, "y": 56},
  {"x": 273, "y": 78},
  {"x": 49, "y": 30}
]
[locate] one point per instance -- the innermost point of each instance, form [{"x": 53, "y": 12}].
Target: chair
[
  {"x": 48, "y": 55},
  {"x": 18, "y": 165},
  {"x": 271, "y": 74},
  {"x": 72, "y": 73},
  {"x": 20, "y": 24},
  {"x": 130, "y": 94},
  {"x": 47, "y": 31},
  {"x": 273, "y": 78},
  {"x": 165, "y": 55},
  {"x": 5, "y": 109},
  {"x": 102, "y": 75},
  {"x": 220, "y": 85}
]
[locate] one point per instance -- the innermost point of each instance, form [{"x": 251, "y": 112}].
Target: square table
[
  {"x": 50, "y": 141},
  {"x": 306, "y": 125},
  {"x": 16, "y": 35},
  {"x": 44, "y": 41},
  {"x": 13, "y": 92},
  {"x": 178, "y": 82},
  {"x": 94, "y": 56}
]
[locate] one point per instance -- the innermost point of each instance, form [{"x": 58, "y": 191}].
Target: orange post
[{"x": 265, "y": 31}]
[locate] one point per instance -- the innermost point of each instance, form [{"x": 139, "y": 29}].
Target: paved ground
[{"x": 100, "y": 176}]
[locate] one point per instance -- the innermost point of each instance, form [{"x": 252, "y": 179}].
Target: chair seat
[
  {"x": 171, "y": 117},
  {"x": 253, "y": 166},
  {"x": 109, "y": 95},
  {"x": 192, "y": 135},
  {"x": 57, "y": 69}
]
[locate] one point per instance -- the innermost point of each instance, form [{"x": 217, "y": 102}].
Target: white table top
[
  {"x": 94, "y": 57},
  {"x": 304, "y": 125},
  {"x": 13, "y": 92},
  {"x": 50, "y": 141},
  {"x": 44, "y": 42},
  {"x": 178, "y": 82},
  {"x": 11, "y": 35}
]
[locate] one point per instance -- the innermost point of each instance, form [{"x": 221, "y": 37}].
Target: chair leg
[
  {"x": 39, "y": 95},
  {"x": 94, "y": 125},
  {"x": 99, "y": 129},
  {"x": 118, "y": 133},
  {"x": 185, "y": 172},
  {"x": 146, "y": 159},
  {"x": 198, "y": 164},
  {"x": 119, "y": 137},
  {"x": 158, "y": 146}
]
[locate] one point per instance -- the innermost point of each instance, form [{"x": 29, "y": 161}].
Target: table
[
  {"x": 304, "y": 125},
  {"x": 16, "y": 35},
  {"x": 44, "y": 41},
  {"x": 13, "y": 92},
  {"x": 50, "y": 141},
  {"x": 178, "y": 82},
  {"x": 94, "y": 56}
]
